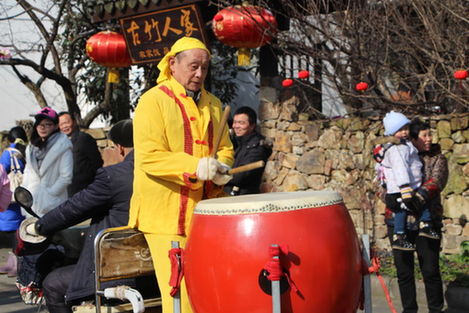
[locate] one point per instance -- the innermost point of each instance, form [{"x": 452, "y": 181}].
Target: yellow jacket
[{"x": 170, "y": 137}]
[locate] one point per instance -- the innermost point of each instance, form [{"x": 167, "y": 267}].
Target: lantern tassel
[
  {"x": 113, "y": 76},
  {"x": 244, "y": 57}
]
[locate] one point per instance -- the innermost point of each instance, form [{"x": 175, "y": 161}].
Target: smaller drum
[{"x": 228, "y": 247}]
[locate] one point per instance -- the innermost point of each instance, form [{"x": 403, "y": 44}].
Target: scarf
[{"x": 40, "y": 154}]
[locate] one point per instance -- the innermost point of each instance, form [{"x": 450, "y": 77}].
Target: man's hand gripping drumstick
[{"x": 211, "y": 169}]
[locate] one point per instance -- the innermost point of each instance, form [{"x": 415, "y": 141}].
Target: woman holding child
[{"x": 425, "y": 197}]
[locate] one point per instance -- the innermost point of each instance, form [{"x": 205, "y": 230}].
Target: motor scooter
[
  {"x": 71, "y": 239},
  {"x": 120, "y": 252}
]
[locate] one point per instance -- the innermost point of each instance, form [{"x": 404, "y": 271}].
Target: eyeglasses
[{"x": 46, "y": 125}]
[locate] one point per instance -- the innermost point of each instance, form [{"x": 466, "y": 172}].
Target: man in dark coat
[
  {"x": 106, "y": 200},
  {"x": 86, "y": 156},
  {"x": 250, "y": 147}
]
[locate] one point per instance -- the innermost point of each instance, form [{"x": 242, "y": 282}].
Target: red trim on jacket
[
  {"x": 210, "y": 137},
  {"x": 188, "y": 141}
]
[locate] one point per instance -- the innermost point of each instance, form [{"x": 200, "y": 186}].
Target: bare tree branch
[
  {"x": 35, "y": 89},
  {"x": 49, "y": 39}
]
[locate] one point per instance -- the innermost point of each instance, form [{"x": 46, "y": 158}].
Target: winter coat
[
  {"x": 86, "y": 160},
  {"x": 249, "y": 148},
  {"x": 171, "y": 134},
  {"x": 435, "y": 167},
  {"x": 106, "y": 200},
  {"x": 6, "y": 155},
  {"x": 435, "y": 177},
  {"x": 48, "y": 184},
  {"x": 402, "y": 166},
  {"x": 11, "y": 218}
]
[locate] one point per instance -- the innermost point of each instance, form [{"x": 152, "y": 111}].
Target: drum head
[{"x": 267, "y": 202}]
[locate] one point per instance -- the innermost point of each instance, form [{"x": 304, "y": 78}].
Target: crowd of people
[{"x": 169, "y": 161}]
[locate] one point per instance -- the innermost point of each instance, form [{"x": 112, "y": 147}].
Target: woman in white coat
[
  {"x": 49, "y": 163},
  {"x": 48, "y": 172}
]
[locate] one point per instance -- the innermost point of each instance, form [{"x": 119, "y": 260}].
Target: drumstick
[
  {"x": 223, "y": 121},
  {"x": 247, "y": 167}
]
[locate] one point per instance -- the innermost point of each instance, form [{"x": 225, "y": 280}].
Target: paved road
[{"x": 10, "y": 300}]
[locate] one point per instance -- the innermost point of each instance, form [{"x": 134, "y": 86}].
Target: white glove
[
  {"x": 222, "y": 177},
  {"x": 31, "y": 230},
  {"x": 207, "y": 168}
]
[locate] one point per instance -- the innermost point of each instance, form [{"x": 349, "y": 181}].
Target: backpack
[
  {"x": 381, "y": 145},
  {"x": 16, "y": 175}
]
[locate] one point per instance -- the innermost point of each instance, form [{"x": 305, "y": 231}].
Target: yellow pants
[{"x": 159, "y": 246}]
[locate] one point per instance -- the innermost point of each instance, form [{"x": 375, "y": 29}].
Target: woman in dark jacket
[{"x": 428, "y": 250}]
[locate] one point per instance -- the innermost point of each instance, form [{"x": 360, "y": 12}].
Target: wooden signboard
[{"x": 150, "y": 36}]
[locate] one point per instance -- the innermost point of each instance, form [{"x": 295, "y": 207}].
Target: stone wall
[{"x": 336, "y": 155}]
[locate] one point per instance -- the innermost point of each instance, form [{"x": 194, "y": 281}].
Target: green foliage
[
  {"x": 90, "y": 78},
  {"x": 455, "y": 268},
  {"x": 223, "y": 72}
]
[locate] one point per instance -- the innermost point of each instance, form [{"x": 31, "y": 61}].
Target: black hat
[{"x": 122, "y": 133}]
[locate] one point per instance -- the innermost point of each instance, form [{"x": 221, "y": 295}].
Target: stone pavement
[{"x": 10, "y": 300}]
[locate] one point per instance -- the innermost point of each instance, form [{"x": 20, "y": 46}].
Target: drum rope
[
  {"x": 177, "y": 269},
  {"x": 274, "y": 268},
  {"x": 374, "y": 268}
]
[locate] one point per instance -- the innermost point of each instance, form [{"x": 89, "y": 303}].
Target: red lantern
[
  {"x": 287, "y": 82},
  {"x": 361, "y": 86},
  {"x": 303, "y": 74},
  {"x": 244, "y": 27},
  {"x": 109, "y": 49},
  {"x": 461, "y": 74}
]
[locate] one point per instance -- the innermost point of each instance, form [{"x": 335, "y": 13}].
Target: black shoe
[
  {"x": 400, "y": 242},
  {"x": 426, "y": 230}
]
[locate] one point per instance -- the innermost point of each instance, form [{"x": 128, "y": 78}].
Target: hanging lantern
[
  {"x": 287, "y": 82},
  {"x": 361, "y": 86},
  {"x": 461, "y": 74},
  {"x": 109, "y": 49},
  {"x": 303, "y": 74},
  {"x": 244, "y": 27}
]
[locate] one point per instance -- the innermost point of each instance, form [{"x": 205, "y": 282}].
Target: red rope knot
[
  {"x": 274, "y": 266},
  {"x": 375, "y": 265},
  {"x": 177, "y": 269}
]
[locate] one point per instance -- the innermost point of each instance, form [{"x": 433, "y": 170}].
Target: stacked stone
[{"x": 336, "y": 155}]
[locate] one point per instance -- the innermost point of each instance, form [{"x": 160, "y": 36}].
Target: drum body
[{"x": 228, "y": 247}]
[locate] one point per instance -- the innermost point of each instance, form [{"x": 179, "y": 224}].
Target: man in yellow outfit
[{"x": 175, "y": 126}]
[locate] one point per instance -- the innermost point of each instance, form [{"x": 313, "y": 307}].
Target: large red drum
[{"x": 228, "y": 247}]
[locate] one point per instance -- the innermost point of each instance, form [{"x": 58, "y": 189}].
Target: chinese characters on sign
[{"x": 150, "y": 36}]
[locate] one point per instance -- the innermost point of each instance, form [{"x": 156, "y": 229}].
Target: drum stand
[
  {"x": 367, "y": 277},
  {"x": 276, "y": 305}
]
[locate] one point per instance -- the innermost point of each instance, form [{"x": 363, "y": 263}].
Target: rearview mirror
[{"x": 25, "y": 199}]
